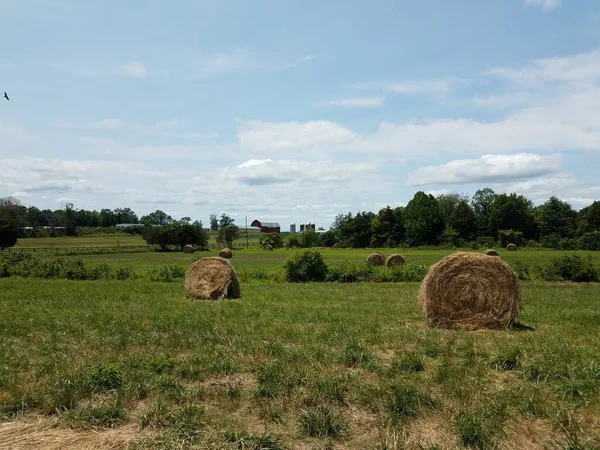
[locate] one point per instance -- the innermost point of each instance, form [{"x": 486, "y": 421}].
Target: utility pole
[{"x": 246, "y": 217}]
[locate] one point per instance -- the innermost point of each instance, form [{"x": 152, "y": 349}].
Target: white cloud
[
  {"x": 437, "y": 86},
  {"x": 545, "y": 4},
  {"x": 293, "y": 136},
  {"x": 354, "y": 102},
  {"x": 133, "y": 70},
  {"x": 487, "y": 169},
  {"x": 294, "y": 63},
  {"x": 226, "y": 61},
  {"x": 102, "y": 124}
]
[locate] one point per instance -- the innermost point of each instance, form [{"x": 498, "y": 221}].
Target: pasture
[{"x": 135, "y": 364}]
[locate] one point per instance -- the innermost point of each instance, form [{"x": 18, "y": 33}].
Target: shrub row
[{"x": 30, "y": 266}]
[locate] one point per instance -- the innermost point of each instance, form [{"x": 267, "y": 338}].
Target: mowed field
[{"x": 136, "y": 364}]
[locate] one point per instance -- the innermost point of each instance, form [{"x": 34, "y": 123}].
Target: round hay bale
[
  {"x": 376, "y": 259},
  {"x": 188, "y": 249},
  {"x": 511, "y": 248},
  {"x": 491, "y": 252},
  {"x": 470, "y": 291},
  {"x": 394, "y": 260},
  {"x": 225, "y": 253},
  {"x": 268, "y": 247},
  {"x": 212, "y": 278}
]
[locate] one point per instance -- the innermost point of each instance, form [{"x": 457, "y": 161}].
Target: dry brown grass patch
[
  {"x": 212, "y": 278},
  {"x": 470, "y": 291}
]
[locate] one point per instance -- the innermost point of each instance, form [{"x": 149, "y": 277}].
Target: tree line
[{"x": 485, "y": 219}]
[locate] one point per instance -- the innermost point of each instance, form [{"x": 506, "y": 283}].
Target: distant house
[
  {"x": 267, "y": 227},
  {"x": 129, "y": 225}
]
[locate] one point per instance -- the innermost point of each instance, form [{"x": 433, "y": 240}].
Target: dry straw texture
[
  {"x": 226, "y": 253},
  {"x": 511, "y": 248},
  {"x": 491, "y": 252},
  {"x": 212, "y": 278},
  {"x": 394, "y": 260},
  {"x": 377, "y": 259},
  {"x": 470, "y": 291},
  {"x": 268, "y": 247},
  {"x": 188, "y": 249}
]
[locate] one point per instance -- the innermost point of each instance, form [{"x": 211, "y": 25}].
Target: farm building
[{"x": 267, "y": 227}]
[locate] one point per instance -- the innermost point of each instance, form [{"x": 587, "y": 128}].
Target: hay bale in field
[
  {"x": 188, "y": 249},
  {"x": 226, "y": 253},
  {"x": 470, "y": 291},
  {"x": 212, "y": 278},
  {"x": 376, "y": 259},
  {"x": 394, "y": 260},
  {"x": 511, "y": 248},
  {"x": 491, "y": 252},
  {"x": 268, "y": 247}
]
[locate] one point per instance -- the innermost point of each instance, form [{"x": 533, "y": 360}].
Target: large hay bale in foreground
[
  {"x": 225, "y": 253},
  {"x": 491, "y": 252},
  {"x": 376, "y": 258},
  {"x": 188, "y": 249},
  {"x": 511, "y": 248},
  {"x": 395, "y": 260},
  {"x": 212, "y": 278},
  {"x": 268, "y": 247},
  {"x": 470, "y": 291}
]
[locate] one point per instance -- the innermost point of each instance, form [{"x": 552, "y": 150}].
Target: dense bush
[
  {"x": 590, "y": 241},
  {"x": 570, "y": 268},
  {"x": 348, "y": 272},
  {"x": 307, "y": 265},
  {"x": 167, "y": 272}
]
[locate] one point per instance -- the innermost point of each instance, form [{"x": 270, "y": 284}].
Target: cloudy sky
[{"x": 296, "y": 111}]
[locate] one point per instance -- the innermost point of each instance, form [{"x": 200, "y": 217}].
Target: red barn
[{"x": 267, "y": 227}]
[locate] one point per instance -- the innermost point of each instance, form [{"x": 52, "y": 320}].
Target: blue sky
[{"x": 296, "y": 111}]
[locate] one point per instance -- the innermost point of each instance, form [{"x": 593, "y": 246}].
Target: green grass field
[{"x": 135, "y": 364}]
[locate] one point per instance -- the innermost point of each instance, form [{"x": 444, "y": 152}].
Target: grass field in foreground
[{"x": 290, "y": 366}]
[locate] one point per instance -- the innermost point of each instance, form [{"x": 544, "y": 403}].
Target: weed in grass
[
  {"x": 159, "y": 364},
  {"x": 507, "y": 360},
  {"x": 103, "y": 416},
  {"x": 356, "y": 353},
  {"x": 570, "y": 428},
  {"x": 323, "y": 420},
  {"x": 430, "y": 351},
  {"x": 471, "y": 430},
  {"x": 186, "y": 423},
  {"x": 233, "y": 389},
  {"x": 276, "y": 378},
  {"x": 63, "y": 394},
  {"x": 251, "y": 441},
  {"x": 408, "y": 362},
  {"x": 406, "y": 401},
  {"x": 171, "y": 389},
  {"x": 104, "y": 378},
  {"x": 333, "y": 388}
]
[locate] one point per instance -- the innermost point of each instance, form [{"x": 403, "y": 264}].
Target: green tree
[
  {"x": 589, "y": 219},
  {"x": 273, "y": 239},
  {"x": 388, "y": 228},
  {"x": 513, "y": 212},
  {"x": 422, "y": 220},
  {"x": 463, "y": 220},
  {"x": 228, "y": 234},
  {"x": 11, "y": 221},
  {"x": 225, "y": 221},
  {"x": 482, "y": 207},
  {"x": 309, "y": 238},
  {"x": 557, "y": 217},
  {"x": 157, "y": 217},
  {"x": 175, "y": 234},
  {"x": 214, "y": 222}
]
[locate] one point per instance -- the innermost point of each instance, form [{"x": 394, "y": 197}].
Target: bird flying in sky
[{"x": 6, "y": 96}]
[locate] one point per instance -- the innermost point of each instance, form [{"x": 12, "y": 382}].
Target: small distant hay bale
[
  {"x": 511, "y": 248},
  {"x": 212, "y": 278},
  {"x": 470, "y": 291},
  {"x": 188, "y": 249},
  {"x": 376, "y": 259},
  {"x": 226, "y": 253},
  {"x": 395, "y": 260},
  {"x": 491, "y": 252},
  {"x": 268, "y": 247}
]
